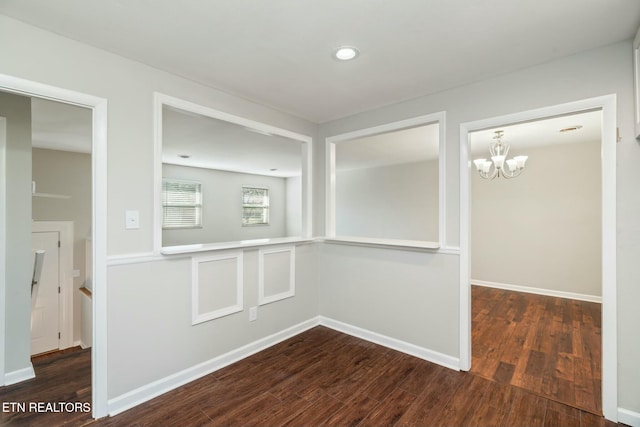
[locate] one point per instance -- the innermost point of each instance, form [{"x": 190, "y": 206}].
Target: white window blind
[
  {"x": 255, "y": 206},
  {"x": 181, "y": 204}
]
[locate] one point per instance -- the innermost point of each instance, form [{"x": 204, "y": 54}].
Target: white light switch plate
[{"x": 132, "y": 220}]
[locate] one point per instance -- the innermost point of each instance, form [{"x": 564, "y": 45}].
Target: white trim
[
  {"x": 241, "y": 244},
  {"x": 196, "y": 316},
  {"x": 451, "y": 250},
  {"x": 159, "y": 100},
  {"x": 65, "y": 228},
  {"x": 136, "y": 258},
  {"x": 392, "y": 343},
  {"x": 628, "y": 417},
  {"x": 330, "y": 172},
  {"x": 607, "y": 104},
  {"x": 636, "y": 83},
  {"x": 149, "y": 391},
  {"x": 99, "y": 223},
  {"x": 19, "y": 375},
  {"x": 390, "y": 243},
  {"x": 3, "y": 242},
  {"x": 538, "y": 291},
  {"x": 291, "y": 291}
]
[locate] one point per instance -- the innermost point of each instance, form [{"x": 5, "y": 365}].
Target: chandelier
[{"x": 490, "y": 169}]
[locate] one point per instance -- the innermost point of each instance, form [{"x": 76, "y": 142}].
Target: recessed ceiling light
[
  {"x": 346, "y": 53},
  {"x": 571, "y": 128}
]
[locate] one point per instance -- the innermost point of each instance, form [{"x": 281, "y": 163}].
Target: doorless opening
[
  {"x": 607, "y": 104},
  {"x": 99, "y": 226}
]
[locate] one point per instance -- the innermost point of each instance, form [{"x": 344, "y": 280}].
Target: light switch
[{"x": 132, "y": 220}]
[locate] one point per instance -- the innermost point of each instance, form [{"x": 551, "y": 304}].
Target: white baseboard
[
  {"x": 147, "y": 392},
  {"x": 538, "y": 291},
  {"x": 628, "y": 417},
  {"x": 19, "y": 375},
  {"x": 393, "y": 343}
]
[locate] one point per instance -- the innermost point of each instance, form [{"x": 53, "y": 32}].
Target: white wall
[
  {"x": 542, "y": 229},
  {"x": 147, "y": 300},
  {"x": 66, "y": 173},
  {"x": 17, "y": 110},
  {"x": 603, "y": 71},
  {"x": 222, "y": 206},
  {"x": 392, "y": 202}
]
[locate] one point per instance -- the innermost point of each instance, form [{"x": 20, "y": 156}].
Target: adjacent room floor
[
  {"x": 547, "y": 345},
  {"x": 320, "y": 377}
]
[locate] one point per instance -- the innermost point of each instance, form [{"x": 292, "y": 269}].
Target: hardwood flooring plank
[
  {"x": 387, "y": 380},
  {"x": 353, "y": 412},
  {"x": 561, "y": 415},
  {"x": 494, "y": 408},
  {"x": 420, "y": 376},
  {"x": 430, "y": 404},
  {"x": 464, "y": 401},
  {"x": 390, "y": 409},
  {"x": 280, "y": 413},
  {"x": 527, "y": 409},
  {"x": 317, "y": 413}
]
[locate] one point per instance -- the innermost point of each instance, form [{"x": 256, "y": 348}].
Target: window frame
[
  {"x": 265, "y": 207},
  {"x": 161, "y": 100},
  {"x": 441, "y": 245},
  {"x": 195, "y": 205}
]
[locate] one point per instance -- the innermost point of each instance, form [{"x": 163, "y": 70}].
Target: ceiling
[
  {"x": 279, "y": 52},
  {"x": 58, "y": 126},
  {"x": 415, "y": 144},
  {"x": 541, "y": 133},
  {"x": 216, "y": 144},
  {"x": 193, "y": 140}
]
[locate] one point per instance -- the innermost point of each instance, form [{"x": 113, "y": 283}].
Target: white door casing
[{"x": 99, "y": 221}]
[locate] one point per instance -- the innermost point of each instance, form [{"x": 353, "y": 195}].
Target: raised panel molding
[
  {"x": 216, "y": 286},
  {"x": 276, "y": 267}
]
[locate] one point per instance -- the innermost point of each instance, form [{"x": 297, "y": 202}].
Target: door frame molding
[
  {"x": 3, "y": 240},
  {"x": 99, "y": 350},
  {"x": 65, "y": 230},
  {"x": 607, "y": 104}
]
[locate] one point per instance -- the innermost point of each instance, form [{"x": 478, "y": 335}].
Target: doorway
[
  {"x": 14, "y": 346},
  {"x": 536, "y": 260},
  {"x": 61, "y": 201},
  {"x": 606, "y": 105}
]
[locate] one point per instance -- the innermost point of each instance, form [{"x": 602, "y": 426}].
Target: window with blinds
[
  {"x": 255, "y": 206},
  {"x": 181, "y": 204}
]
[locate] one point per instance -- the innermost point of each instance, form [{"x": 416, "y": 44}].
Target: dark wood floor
[
  {"x": 320, "y": 377},
  {"x": 550, "y": 346},
  {"x": 60, "y": 377}
]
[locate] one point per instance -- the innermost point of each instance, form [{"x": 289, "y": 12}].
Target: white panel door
[{"x": 46, "y": 313}]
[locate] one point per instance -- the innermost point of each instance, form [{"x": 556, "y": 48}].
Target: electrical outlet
[{"x": 253, "y": 314}]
